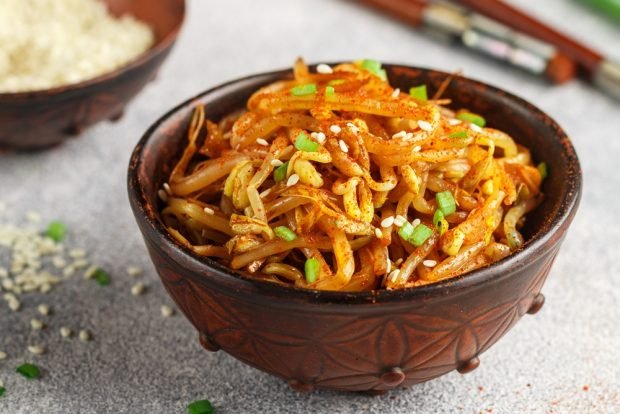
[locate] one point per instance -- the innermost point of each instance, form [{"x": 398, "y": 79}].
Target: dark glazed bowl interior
[
  {"x": 39, "y": 119},
  {"x": 370, "y": 341}
]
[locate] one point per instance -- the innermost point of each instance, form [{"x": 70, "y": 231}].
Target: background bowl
[
  {"x": 39, "y": 119},
  {"x": 371, "y": 341}
]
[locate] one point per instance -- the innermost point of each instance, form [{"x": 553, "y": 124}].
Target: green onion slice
[
  {"x": 303, "y": 90},
  {"x": 406, "y": 231},
  {"x": 445, "y": 202},
  {"x": 56, "y": 230},
  {"x": 2, "y": 390},
  {"x": 312, "y": 269},
  {"x": 29, "y": 371},
  {"x": 543, "y": 170},
  {"x": 373, "y": 66},
  {"x": 473, "y": 118},
  {"x": 102, "y": 277},
  {"x": 437, "y": 218},
  {"x": 200, "y": 407},
  {"x": 458, "y": 135},
  {"x": 330, "y": 91},
  {"x": 285, "y": 233},
  {"x": 419, "y": 93},
  {"x": 303, "y": 143},
  {"x": 279, "y": 174},
  {"x": 421, "y": 233}
]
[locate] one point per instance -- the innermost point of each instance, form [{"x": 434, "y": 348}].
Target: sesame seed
[
  {"x": 454, "y": 121},
  {"x": 65, "y": 332},
  {"x": 36, "y": 349},
  {"x": 395, "y": 93},
  {"x": 36, "y": 324},
  {"x": 475, "y": 128},
  {"x": 343, "y": 146},
  {"x": 263, "y": 142},
  {"x": 399, "y": 221},
  {"x": 324, "y": 69},
  {"x": 58, "y": 262},
  {"x": 68, "y": 271},
  {"x": 378, "y": 233},
  {"x": 335, "y": 129},
  {"x": 430, "y": 263},
  {"x": 79, "y": 264},
  {"x": 292, "y": 180},
  {"x": 425, "y": 126},
  {"x": 3, "y": 355},
  {"x": 85, "y": 335},
  {"x": 166, "y": 311},
  {"x": 138, "y": 289},
  {"x": 14, "y": 305},
  {"x": 134, "y": 271},
  {"x": 209, "y": 210},
  {"x": 163, "y": 196},
  {"x": 400, "y": 134},
  {"x": 352, "y": 127},
  {"x": 167, "y": 188},
  {"x": 415, "y": 223},
  {"x": 388, "y": 264},
  {"x": 394, "y": 275},
  {"x": 387, "y": 222},
  {"x": 320, "y": 137},
  {"x": 33, "y": 217},
  {"x": 90, "y": 272},
  {"x": 417, "y": 148},
  {"x": 399, "y": 261},
  {"x": 276, "y": 163},
  {"x": 43, "y": 309}
]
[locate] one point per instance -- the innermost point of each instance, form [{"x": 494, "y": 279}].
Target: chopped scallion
[
  {"x": 285, "y": 233},
  {"x": 458, "y": 135},
  {"x": 382, "y": 74},
  {"x": 330, "y": 91},
  {"x": 29, "y": 371},
  {"x": 373, "y": 66},
  {"x": 56, "y": 231},
  {"x": 312, "y": 269},
  {"x": 543, "y": 170},
  {"x": 200, "y": 407},
  {"x": 419, "y": 93},
  {"x": 303, "y": 143},
  {"x": 473, "y": 118},
  {"x": 437, "y": 217},
  {"x": 421, "y": 233},
  {"x": 445, "y": 202},
  {"x": 279, "y": 174},
  {"x": 303, "y": 90},
  {"x": 2, "y": 390},
  {"x": 102, "y": 277},
  {"x": 406, "y": 230}
]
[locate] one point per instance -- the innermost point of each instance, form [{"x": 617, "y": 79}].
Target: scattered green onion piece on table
[
  {"x": 303, "y": 90},
  {"x": 279, "y": 174},
  {"x": 200, "y": 407},
  {"x": 473, "y": 118},
  {"x": 2, "y": 390},
  {"x": 437, "y": 218},
  {"x": 543, "y": 170},
  {"x": 330, "y": 91},
  {"x": 312, "y": 269},
  {"x": 445, "y": 202},
  {"x": 460, "y": 134},
  {"x": 285, "y": 233},
  {"x": 56, "y": 231},
  {"x": 102, "y": 277},
  {"x": 406, "y": 231},
  {"x": 29, "y": 371},
  {"x": 303, "y": 143},
  {"x": 419, "y": 93},
  {"x": 421, "y": 233}
]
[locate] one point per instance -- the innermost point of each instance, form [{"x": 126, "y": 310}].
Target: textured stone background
[{"x": 140, "y": 362}]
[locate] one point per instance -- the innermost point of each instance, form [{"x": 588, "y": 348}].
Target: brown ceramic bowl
[
  {"x": 39, "y": 119},
  {"x": 372, "y": 341}
]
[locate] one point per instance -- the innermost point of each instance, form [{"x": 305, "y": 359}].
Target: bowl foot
[
  {"x": 469, "y": 366},
  {"x": 299, "y": 386},
  {"x": 208, "y": 344},
  {"x": 118, "y": 115},
  {"x": 537, "y": 304}
]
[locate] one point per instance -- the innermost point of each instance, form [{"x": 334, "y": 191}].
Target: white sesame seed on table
[
  {"x": 572, "y": 342},
  {"x": 36, "y": 349}
]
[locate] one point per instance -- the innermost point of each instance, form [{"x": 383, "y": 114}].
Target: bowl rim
[
  {"x": 533, "y": 249},
  {"x": 158, "y": 47}
]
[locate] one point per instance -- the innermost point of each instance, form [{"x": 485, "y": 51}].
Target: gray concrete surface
[{"x": 564, "y": 360}]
